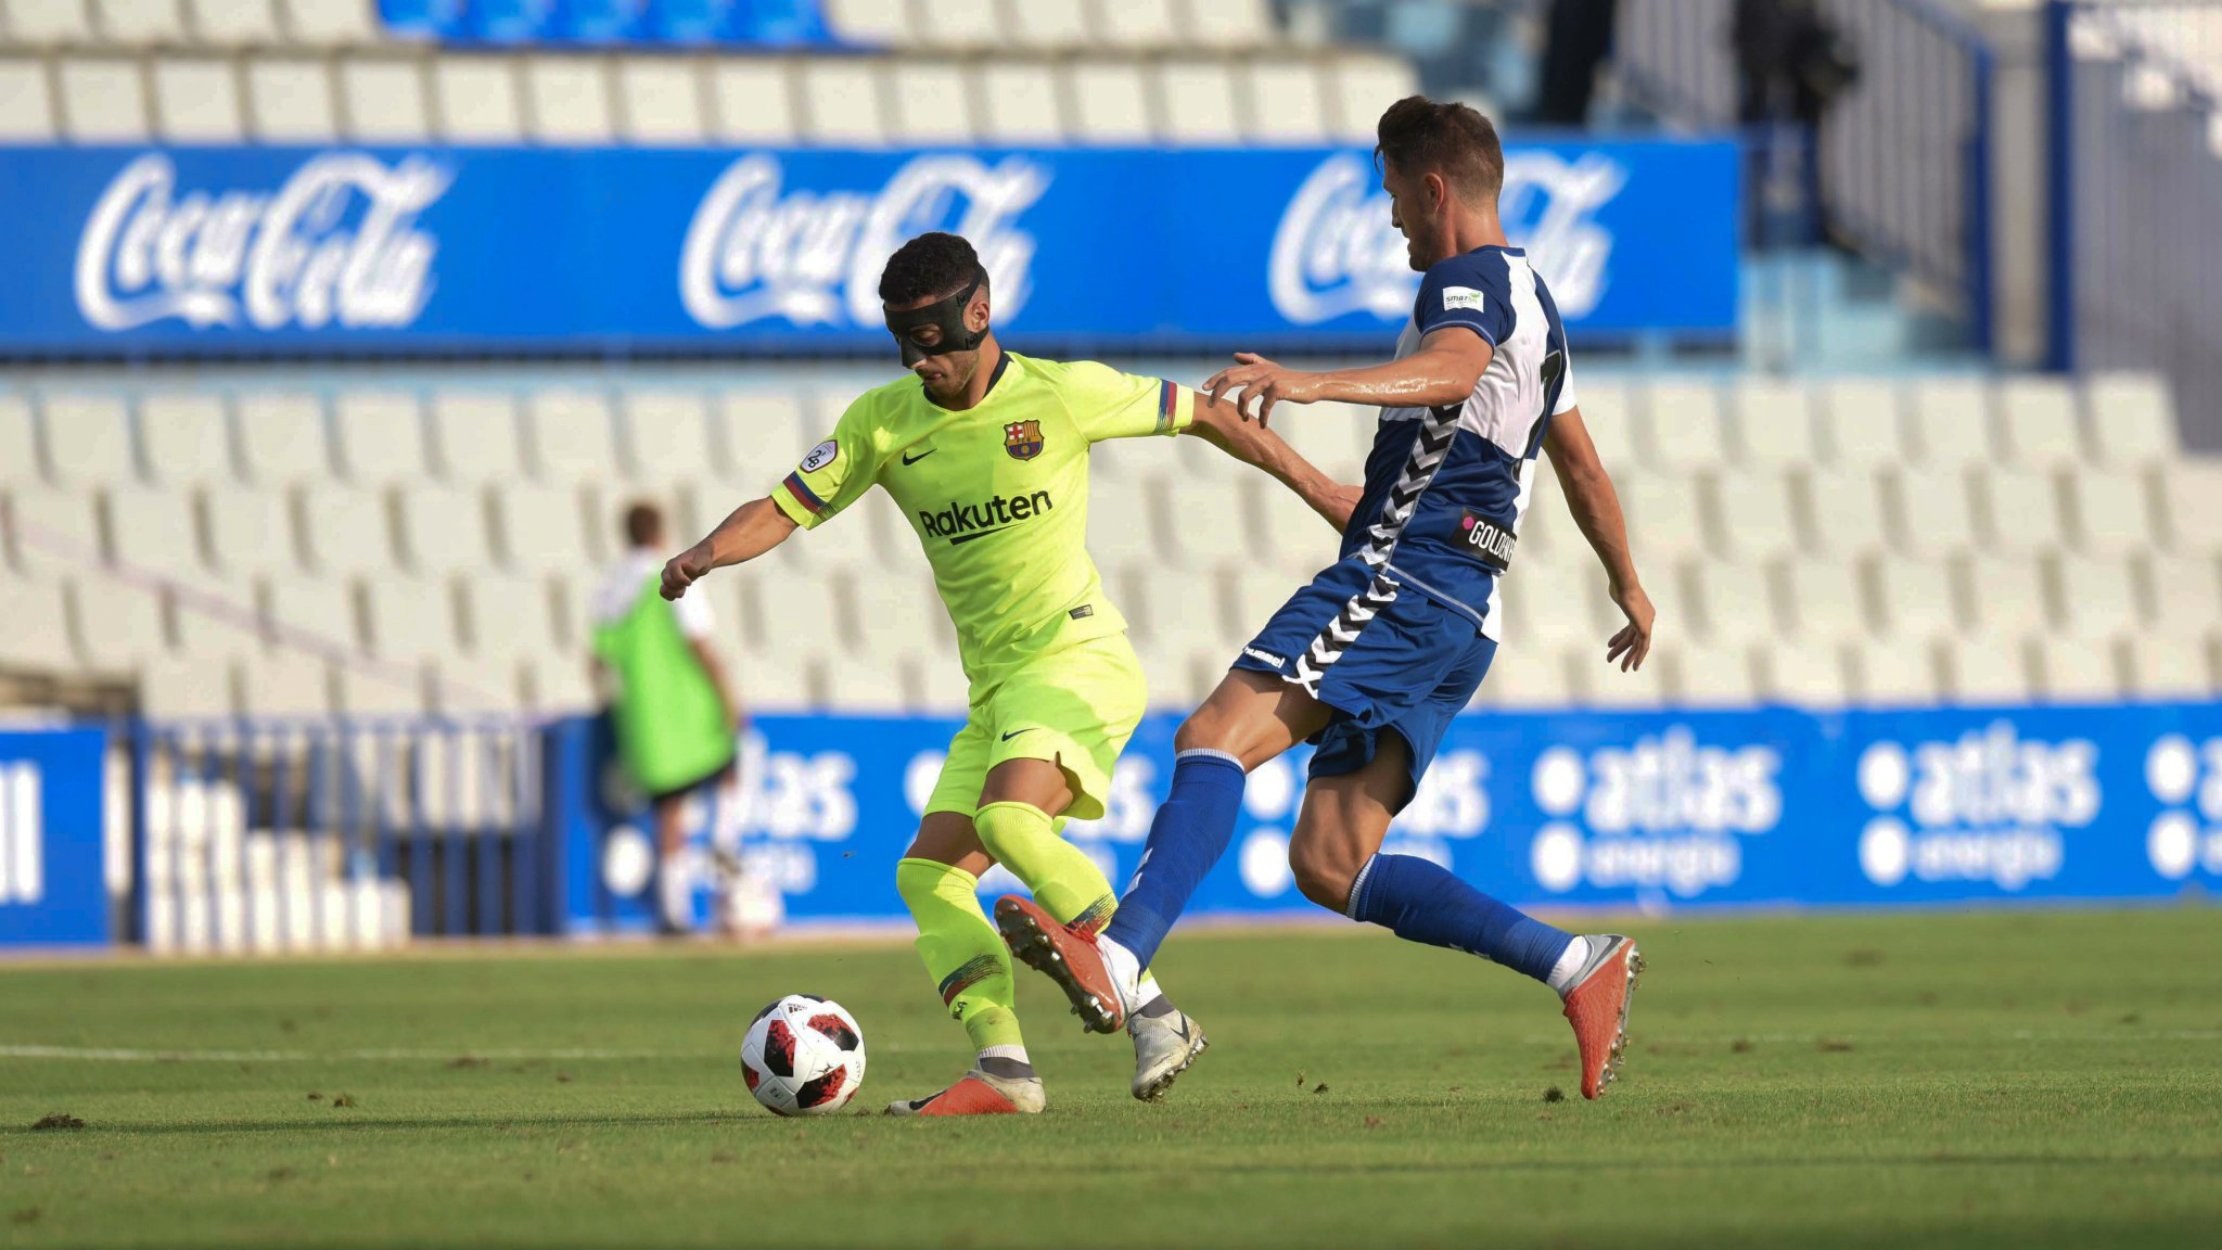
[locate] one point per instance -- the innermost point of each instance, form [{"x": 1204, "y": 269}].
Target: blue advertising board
[
  {"x": 1652, "y": 810},
  {"x": 53, "y": 879},
  {"x": 259, "y": 250}
]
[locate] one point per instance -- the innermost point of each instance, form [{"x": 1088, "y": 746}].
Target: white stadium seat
[
  {"x": 411, "y": 619},
  {"x": 1609, "y": 414},
  {"x": 2111, "y": 511},
  {"x": 1756, "y": 514},
  {"x": 668, "y": 436},
  {"x": 1716, "y": 675},
  {"x": 118, "y": 628},
  {"x": 381, "y": 691},
  {"x": 380, "y": 436},
  {"x": 250, "y": 532},
  {"x": 217, "y": 620},
  {"x": 1137, "y": 23},
  {"x": 965, "y": 25},
  {"x": 883, "y": 23},
  {"x": 1843, "y": 512},
  {"x": 1287, "y": 103},
  {"x": 1536, "y": 676},
  {"x": 1056, "y": 25},
  {"x": 477, "y": 437},
  {"x": 287, "y": 683},
  {"x": 2005, "y": 596},
  {"x": 1363, "y": 86},
  {"x": 841, "y": 102},
  {"x": 1825, "y": 600},
  {"x": 1988, "y": 669},
  {"x": 154, "y": 532},
  {"x": 2171, "y": 668},
  {"x": 332, "y": 21},
  {"x": 347, "y": 531},
  {"x": 2192, "y": 505},
  {"x": 1861, "y": 424},
  {"x": 1895, "y": 672},
  {"x": 1555, "y": 604},
  {"x": 1952, "y": 422},
  {"x": 2185, "y": 594},
  {"x": 26, "y": 104},
  {"x": 559, "y": 685},
  {"x": 567, "y": 100},
  {"x": 53, "y": 531},
  {"x": 1018, "y": 101},
  {"x": 478, "y": 99},
  {"x": 1934, "y": 511},
  {"x": 291, "y": 101},
  {"x": 2038, "y": 417},
  {"x": 768, "y": 433},
  {"x": 510, "y": 617},
  {"x": 1196, "y": 102},
  {"x": 34, "y": 631},
  {"x": 186, "y": 689},
  {"x": 753, "y": 101},
  {"x": 2076, "y": 670},
  {"x": 1111, "y": 103},
  {"x": 384, "y": 101},
  {"x": 928, "y": 103},
  {"x": 2021, "y": 511},
  {"x": 1805, "y": 674},
  {"x": 1917, "y": 599},
  {"x": 543, "y": 529},
  {"x": 49, "y": 21},
  {"x": 302, "y": 612},
  {"x": 88, "y": 437},
  {"x": 234, "y": 23},
  {"x": 660, "y": 99},
  {"x": 1225, "y": 23},
  {"x": 866, "y": 683},
  {"x": 186, "y": 438},
  {"x": 140, "y": 21},
  {"x": 2095, "y": 598},
  {"x": 197, "y": 101},
  {"x": 461, "y": 686},
  {"x": 1736, "y": 602},
  {"x": 1679, "y": 426},
  {"x": 570, "y": 434},
  {"x": 1598, "y": 684},
  {"x": 443, "y": 530},
  {"x": 19, "y": 443},
  {"x": 2131, "y": 419},
  {"x": 1663, "y": 515},
  {"x": 1774, "y": 422}
]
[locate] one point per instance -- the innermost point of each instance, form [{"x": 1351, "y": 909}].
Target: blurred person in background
[
  {"x": 1577, "y": 37},
  {"x": 1792, "y": 62},
  {"x": 670, "y": 704}
]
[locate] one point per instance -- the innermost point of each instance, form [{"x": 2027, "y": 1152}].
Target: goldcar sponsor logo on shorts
[
  {"x": 1665, "y": 812},
  {"x": 1989, "y": 806}
]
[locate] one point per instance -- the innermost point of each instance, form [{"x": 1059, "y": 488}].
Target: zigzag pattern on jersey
[
  {"x": 1329, "y": 646},
  {"x": 1438, "y": 426}
]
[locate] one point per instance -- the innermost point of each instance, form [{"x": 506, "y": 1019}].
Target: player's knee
[
  {"x": 1323, "y": 873},
  {"x": 1203, "y": 730}
]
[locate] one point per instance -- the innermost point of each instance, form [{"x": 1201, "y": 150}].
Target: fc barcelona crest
[{"x": 1023, "y": 439}]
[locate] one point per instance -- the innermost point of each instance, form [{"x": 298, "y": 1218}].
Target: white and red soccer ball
[{"x": 803, "y": 1055}]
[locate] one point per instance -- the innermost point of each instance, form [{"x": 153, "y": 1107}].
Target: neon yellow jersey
[{"x": 997, "y": 494}]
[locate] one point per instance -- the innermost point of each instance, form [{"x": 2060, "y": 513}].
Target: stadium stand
[{"x": 301, "y": 548}]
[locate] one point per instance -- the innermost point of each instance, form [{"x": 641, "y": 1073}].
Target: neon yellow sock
[
  {"x": 1024, "y": 839},
  {"x": 964, "y": 954}
]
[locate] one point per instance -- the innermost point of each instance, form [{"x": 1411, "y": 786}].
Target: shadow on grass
[{"x": 367, "y": 1124}]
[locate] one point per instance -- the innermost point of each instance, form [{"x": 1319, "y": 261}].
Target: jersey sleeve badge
[{"x": 1023, "y": 439}]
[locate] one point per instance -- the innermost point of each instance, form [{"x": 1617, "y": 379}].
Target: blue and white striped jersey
[{"x": 1446, "y": 487}]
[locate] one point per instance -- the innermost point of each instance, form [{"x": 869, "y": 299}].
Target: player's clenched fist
[{"x": 684, "y": 570}]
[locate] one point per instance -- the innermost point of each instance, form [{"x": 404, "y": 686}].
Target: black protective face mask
[{"x": 947, "y": 315}]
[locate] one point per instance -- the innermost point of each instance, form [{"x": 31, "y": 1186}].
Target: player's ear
[{"x": 976, "y": 313}]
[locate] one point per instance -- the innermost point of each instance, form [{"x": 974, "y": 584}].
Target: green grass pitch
[{"x": 2023, "y": 1078}]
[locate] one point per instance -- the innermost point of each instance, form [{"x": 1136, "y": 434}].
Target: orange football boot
[{"x": 1597, "y": 1004}]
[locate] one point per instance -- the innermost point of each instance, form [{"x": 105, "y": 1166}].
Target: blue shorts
[{"x": 1383, "y": 656}]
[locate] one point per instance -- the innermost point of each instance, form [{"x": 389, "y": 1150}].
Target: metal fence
[
  {"x": 1903, "y": 166},
  {"x": 335, "y": 834},
  {"x": 2136, "y": 190}
]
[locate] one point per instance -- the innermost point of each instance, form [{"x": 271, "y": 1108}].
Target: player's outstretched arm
[
  {"x": 1222, "y": 425},
  {"x": 753, "y": 529},
  {"x": 1445, "y": 370},
  {"x": 1596, "y": 508}
]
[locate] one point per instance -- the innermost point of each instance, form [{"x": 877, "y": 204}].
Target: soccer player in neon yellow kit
[{"x": 989, "y": 460}]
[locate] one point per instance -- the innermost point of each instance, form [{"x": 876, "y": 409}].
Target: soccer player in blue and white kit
[{"x": 1374, "y": 657}]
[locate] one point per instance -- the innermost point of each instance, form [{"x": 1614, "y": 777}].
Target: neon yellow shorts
[{"x": 1074, "y": 707}]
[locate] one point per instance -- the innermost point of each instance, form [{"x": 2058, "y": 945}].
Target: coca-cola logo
[
  {"x": 755, "y": 251},
  {"x": 1335, "y": 252},
  {"x": 336, "y": 244}
]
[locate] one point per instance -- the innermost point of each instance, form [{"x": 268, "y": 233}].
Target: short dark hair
[
  {"x": 935, "y": 265},
  {"x": 644, "y": 524},
  {"x": 1452, "y": 139}
]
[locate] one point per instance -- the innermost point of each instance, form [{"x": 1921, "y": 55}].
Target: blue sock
[
  {"x": 1422, "y": 902},
  {"x": 1188, "y": 835}
]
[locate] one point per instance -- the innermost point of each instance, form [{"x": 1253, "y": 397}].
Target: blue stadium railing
[
  {"x": 2135, "y": 190},
  {"x": 729, "y": 23},
  {"x": 1904, "y": 163}
]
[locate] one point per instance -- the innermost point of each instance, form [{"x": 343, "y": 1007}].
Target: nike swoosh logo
[
  {"x": 1015, "y": 733},
  {"x": 909, "y": 460}
]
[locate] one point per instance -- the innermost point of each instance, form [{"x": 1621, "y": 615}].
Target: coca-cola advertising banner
[{"x": 259, "y": 249}]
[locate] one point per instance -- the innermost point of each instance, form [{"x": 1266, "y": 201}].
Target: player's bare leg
[
  {"x": 674, "y": 913},
  {"x": 939, "y": 880}
]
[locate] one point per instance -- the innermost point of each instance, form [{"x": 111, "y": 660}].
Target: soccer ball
[{"x": 803, "y": 1055}]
